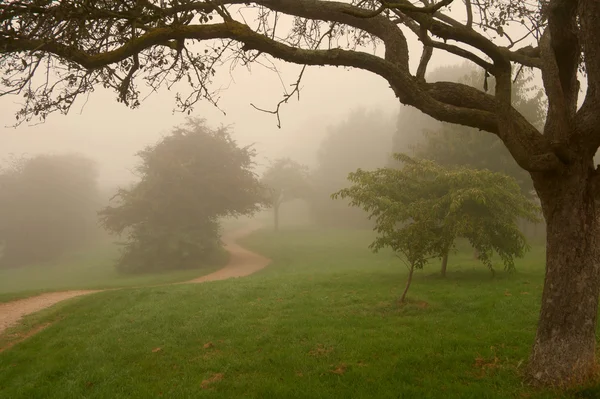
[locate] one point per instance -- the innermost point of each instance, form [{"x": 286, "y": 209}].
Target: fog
[
  {"x": 333, "y": 103},
  {"x": 111, "y": 134}
]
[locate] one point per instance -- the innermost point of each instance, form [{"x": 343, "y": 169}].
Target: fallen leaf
[
  {"x": 341, "y": 369},
  {"x": 486, "y": 364},
  {"x": 524, "y": 293},
  {"x": 506, "y": 293},
  {"x": 299, "y": 374},
  {"x": 156, "y": 350},
  {"x": 214, "y": 378},
  {"x": 208, "y": 345},
  {"x": 320, "y": 350}
]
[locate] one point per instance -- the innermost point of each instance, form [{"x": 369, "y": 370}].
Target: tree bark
[
  {"x": 564, "y": 348},
  {"x": 410, "y": 275},
  {"x": 444, "y": 264}
]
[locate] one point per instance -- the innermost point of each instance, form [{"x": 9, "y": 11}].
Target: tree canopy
[
  {"x": 188, "y": 180},
  {"x": 285, "y": 180},
  {"x": 422, "y": 207},
  {"x": 53, "y": 52},
  {"x": 48, "y": 206}
]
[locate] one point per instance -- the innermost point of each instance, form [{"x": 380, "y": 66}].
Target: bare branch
[
  {"x": 425, "y": 57},
  {"x": 286, "y": 97},
  {"x": 469, "y": 14},
  {"x": 296, "y": 85},
  {"x": 100, "y": 45},
  {"x": 400, "y": 6},
  {"x": 427, "y": 41}
]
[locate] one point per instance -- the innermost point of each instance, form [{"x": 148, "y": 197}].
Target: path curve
[{"x": 242, "y": 262}]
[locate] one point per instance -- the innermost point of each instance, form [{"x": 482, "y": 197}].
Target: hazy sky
[{"x": 111, "y": 133}]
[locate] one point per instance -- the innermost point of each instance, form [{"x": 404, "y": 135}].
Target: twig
[
  {"x": 285, "y": 99},
  {"x": 296, "y": 85}
]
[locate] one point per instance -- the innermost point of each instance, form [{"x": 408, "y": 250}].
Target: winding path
[{"x": 242, "y": 262}]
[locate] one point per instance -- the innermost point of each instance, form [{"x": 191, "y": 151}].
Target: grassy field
[
  {"x": 320, "y": 322},
  {"x": 89, "y": 268}
]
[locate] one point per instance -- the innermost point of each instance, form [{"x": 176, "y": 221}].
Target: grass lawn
[
  {"x": 320, "y": 322},
  {"x": 90, "y": 268}
]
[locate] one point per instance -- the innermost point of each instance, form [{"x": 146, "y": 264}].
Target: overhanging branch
[
  {"x": 387, "y": 5},
  {"x": 448, "y": 102}
]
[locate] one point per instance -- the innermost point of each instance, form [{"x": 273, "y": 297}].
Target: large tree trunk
[{"x": 565, "y": 343}]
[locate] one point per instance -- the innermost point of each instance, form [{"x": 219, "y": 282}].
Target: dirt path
[{"x": 241, "y": 263}]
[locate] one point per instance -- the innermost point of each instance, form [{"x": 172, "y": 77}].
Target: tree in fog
[
  {"x": 188, "y": 181},
  {"x": 361, "y": 141},
  {"x": 421, "y": 208},
  {"x": 52, "y": 52},
  {"x": 284, "y": 180},
  {"x": 48, "y": 206},
  {"x": 449, "y": 144}
]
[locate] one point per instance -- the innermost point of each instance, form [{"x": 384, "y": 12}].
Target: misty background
[
  {"x": 110, "y": 133},
  {"x": 344, "y": 119}
]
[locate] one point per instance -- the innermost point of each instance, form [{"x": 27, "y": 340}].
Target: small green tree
[
  {"x": 285, "y": 180},
  {"x": 421, "y": 208},
  {"x": 188, "y": 181}
]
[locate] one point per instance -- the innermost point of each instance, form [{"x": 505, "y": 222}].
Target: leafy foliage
[
  {"x": 420, "y": 208},
  {"x": 189, "y": 180},
  {"x": 47, "y": 207}
]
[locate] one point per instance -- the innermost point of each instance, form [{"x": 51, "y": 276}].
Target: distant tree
[
  {"x": 47, "y": 207},
  {"x": 285, "y": 180},
  {"x": 188, "y": 180},
  {"x": 361, "y": 141},
  {"x": 421, "y": 208}
]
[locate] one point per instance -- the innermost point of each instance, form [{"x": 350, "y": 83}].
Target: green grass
[
  {"x": 89, "y": 268},
  {"x": 320, "y": 322}
]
